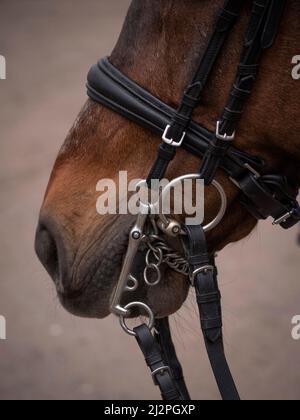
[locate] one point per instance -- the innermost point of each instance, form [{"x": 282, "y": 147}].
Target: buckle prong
[
  {"x": 224, "y": 137},
  {"x": 160, "y": 371},
  {"x": 203, "y": 269},
  {"x": 283, "y": 218}
]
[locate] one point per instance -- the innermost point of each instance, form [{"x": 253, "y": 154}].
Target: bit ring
[{"x": 138, "y": 305}]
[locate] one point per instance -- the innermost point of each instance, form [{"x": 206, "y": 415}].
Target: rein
[{"x": 264, "y": 195}]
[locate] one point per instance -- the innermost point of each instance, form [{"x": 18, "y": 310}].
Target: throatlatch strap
[
  {"x": 161, "y": 372},
  {"x": 204, "y": 278},
  {"x": 164, "y": 338}
]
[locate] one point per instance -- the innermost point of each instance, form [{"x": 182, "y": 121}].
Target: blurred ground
[{"x": 49, "y": 354}]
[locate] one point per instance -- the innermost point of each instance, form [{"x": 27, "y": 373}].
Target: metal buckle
[
  {"x": 160, "y": 371},
  {"x": 283, "y": 218},
  {"x": 171, "y": 142},
  {"x": 203, "y": 269},
  {"x": 224, "y": 136},
  {"x": 250, "y": 169}
]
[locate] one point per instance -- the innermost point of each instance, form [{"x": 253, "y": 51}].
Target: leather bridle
[{"x": 262, "y": 194}]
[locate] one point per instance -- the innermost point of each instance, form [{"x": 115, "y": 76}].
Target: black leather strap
[
  {"x": 160, "y": 371},
  {"x": 175, "y": 131},
  {"x": 263, "y": 27},
  {"x": 164, "y": 338},
  {"x": 276, "y": 11},
  {"x": 262, "y": 194},
  {"x": 109, "y": 87},
  {"x": 270, "y": 196},
  {"x": 192, "y": 95},
  {"x": 204, "y": 278}
]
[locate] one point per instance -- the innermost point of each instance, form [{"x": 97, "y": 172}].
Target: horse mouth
[
  {"x": 96, "y": 270},
  {"x": 94, "y": 299},
  {"x": 87, "y": 270}
]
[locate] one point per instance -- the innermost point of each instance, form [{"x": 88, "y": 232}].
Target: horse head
[{"x": 159, "y": 48}]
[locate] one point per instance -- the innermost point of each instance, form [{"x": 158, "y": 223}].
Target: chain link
[{"x": 160, "y": 252}]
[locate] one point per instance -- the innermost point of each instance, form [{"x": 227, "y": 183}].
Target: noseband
[{"x": 263, "y": 195}]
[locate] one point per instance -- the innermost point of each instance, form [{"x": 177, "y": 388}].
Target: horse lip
[
  {"x": 64, "y": 252},
  {"x": 88, "y": 291},
  {"x": 93, "y": 297},
  {"x": 70, "y": 295}
]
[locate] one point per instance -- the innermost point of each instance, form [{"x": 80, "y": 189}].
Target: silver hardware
[
  {"x": 234, "y": 181},
  {"x": 135, "y": 284},
  {"x": 154, "y": 268},
  {"x": 135, "y": 238},
  {"x": 254, "y": 171},
  {"x": 251, "y": 169},
  {"x": 283, "y": 218},
  {"x": 173, "y": 259},
  {"x": 171, "y": 142},
  {"x": 161, "y": 252},
  {"x": 127, "y": 311},
  {"x": 225, "y": 136},
  {"x": 223, "y": 207},
  {"x": 136, "y": 235},
  {"x": 160, "y": 371},
  {"x": 170, "y": 227},
  {"x": 203, "y": 269},
  {"x": 157, "y": 254},
  {"x": 219, "y": 188}
]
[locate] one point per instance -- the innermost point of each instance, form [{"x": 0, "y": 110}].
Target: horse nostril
[{"x": 46, "y": 249}]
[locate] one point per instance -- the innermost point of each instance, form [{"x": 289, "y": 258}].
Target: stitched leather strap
[
  {"x": 164, "y": 338},
  {"x": 209, "y": 304},
  {"x": 160, "y": 371},
  {"x": 261, "y": 32},
  {"x": 192, "y": 95},
  {"x": 176, "y": 130},
  {"x": 109, "y": 87}
]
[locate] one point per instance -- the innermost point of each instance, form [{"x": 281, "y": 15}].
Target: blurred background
[{"x": 49, "y": 46}]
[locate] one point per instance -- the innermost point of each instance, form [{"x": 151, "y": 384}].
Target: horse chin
[
  {"x": 95, "y": 269},
  {"x": 158, "y": 298},
  {"x": 163, "y": 299}
]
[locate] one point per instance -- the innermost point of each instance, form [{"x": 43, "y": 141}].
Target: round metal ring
[
  {"x": 217, "y": 186},
  {"x": 153, "y": 248},
  {"x": 157, "y": 253},
  {"x": 155, "y": 268},
  {"x": 223, "y": 207},
  {"x": 138, "y": 305}
]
